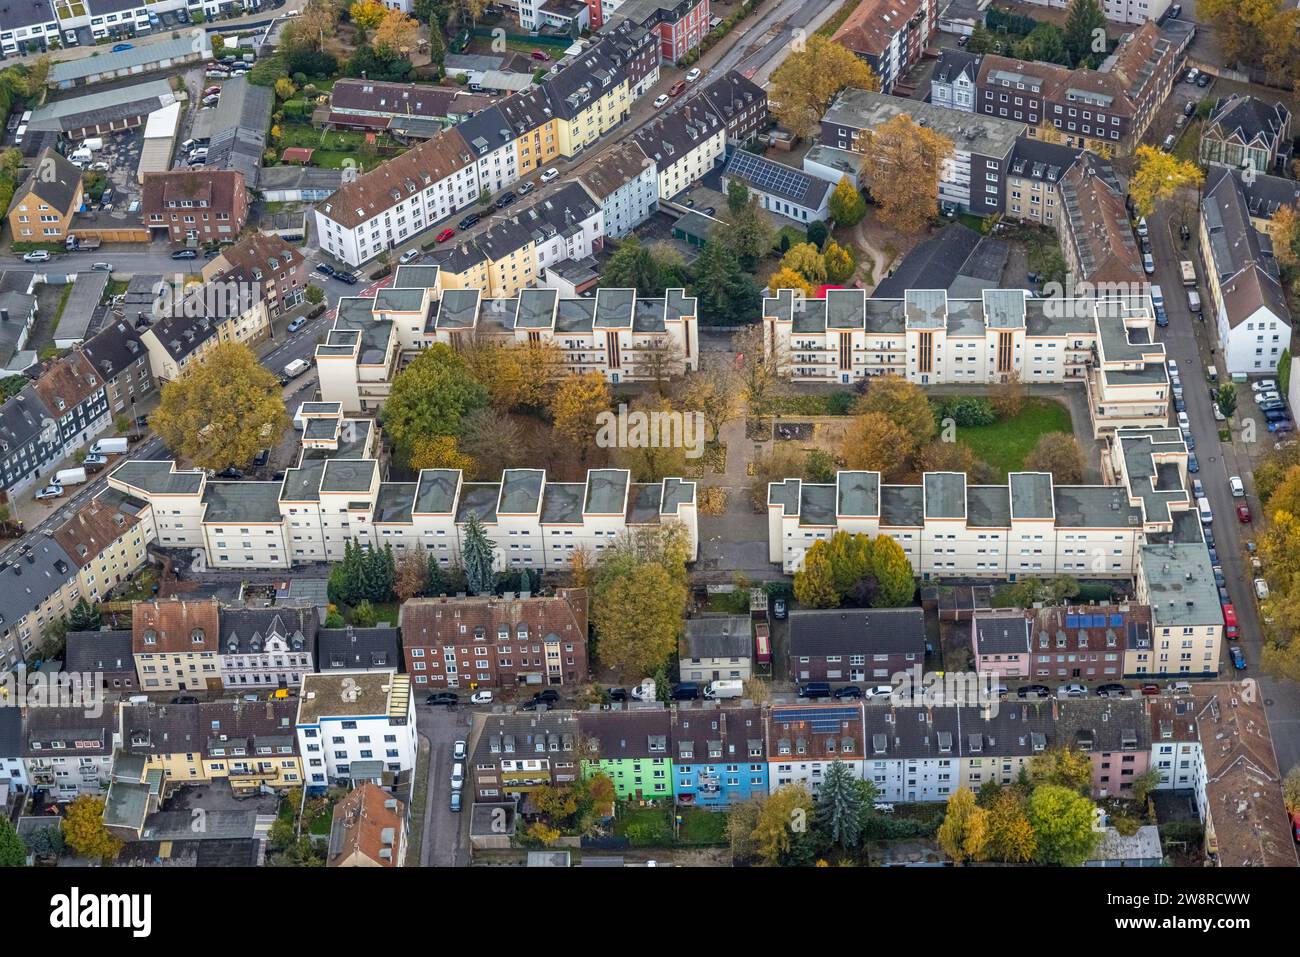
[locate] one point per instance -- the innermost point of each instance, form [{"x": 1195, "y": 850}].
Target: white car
[
  {"x": 1184, "y": 423},
  {"x": 410, "y": 256},
  {"x": 37, "y": 256},
  {"x": 481, "y": 697},
  {"x": 693, "y": 75},
  {"x": 1173, "y": 366},
  {"x": 1263, "y": 385},
  {"x": 50, "y": 491},
  {"x": 1262, "y": 397},
  {"x": 1261, "y": 589},
  {"x": 550, "y": 174},
  {"x": 1238, "y": 489},
  {"x": 1218, "y": 413},
  {"x": 457, "y": 776},
  {"x": 1072, "y": 691},
  {"x": 661, "y": 100},
  {"x": 879, "y": 691}
]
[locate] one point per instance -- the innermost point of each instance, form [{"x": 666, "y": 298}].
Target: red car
[
  {"x": 445, "y": 235},
  {"x": 1150, "y": 689},
  {"x": 1243, "y": 514},
  {"x": 540, "y": 55},
  {"x": 677, "y": 88},
  {"x": 1231, "y": 632},
  {"x": 1230, "y": 616}
]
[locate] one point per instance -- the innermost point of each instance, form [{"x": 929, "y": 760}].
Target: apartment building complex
[
  {"x": 264, "y": 267},
  {"x": 1106, "y": 345},
  {"x": 334, "y": 495},
  {"x": 195, "y": 206},
  {"x": 175, "y": 642},
  {"x": 1096, "y": 238},
  {"x": 685, "y": 143},
  {"x": 44, "y": 204},
  {"x": 1251, "y": 316},
  {"x": 972, "y": 179},
  {"x": 1106, "y": 110},
  {"x": 615, "y": 332},
  {"x": 492, "y": 642},
  {"x": 1034, "y": 192},
  {"x": 1029, "y": 527},
  {"x": 890, "y": 35},
  {"x": 448, "y": 172},
  {"x": 355, "y": 727},
  {"x": 250, "y": 744}
]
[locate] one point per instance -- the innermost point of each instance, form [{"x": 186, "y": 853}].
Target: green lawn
[
  {"x": 700, "y": 827},
  {"x": 653, "y": 826},
  {"x": 332, "y": 146},
  {"x": 1005, "y": 443}
]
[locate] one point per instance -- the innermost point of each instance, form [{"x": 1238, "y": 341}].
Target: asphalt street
[{"x": 1190, "y": 344}]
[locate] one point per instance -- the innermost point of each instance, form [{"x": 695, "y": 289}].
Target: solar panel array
[
  {"x": 1093, "y": 621},
  {"x": 770, "y": 177},
  {"x": 821, "y": 720}
]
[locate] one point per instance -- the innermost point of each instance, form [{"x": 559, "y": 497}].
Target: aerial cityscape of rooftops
[{"x": 674, "y": 433}]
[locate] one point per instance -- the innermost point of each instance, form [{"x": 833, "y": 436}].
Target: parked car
[
  {"x": 778, "y": 609},
  {"x": 50, "y": 491},
  {"x": 1263, "y": 385},
  {"x": 102, "y": 267},
  {"x": 1203, "y": 80},
  {"x": 526, "y": 187},
  {"x": 549, "y": 175},
  {"x": 325, "y": 269},
  {"x": 1072, "y": 691},
  {"x": 95, "y": 459},
  {"x": 481, "y": 697},
  {"x": 541, "y": 55},
  {"x": 879, "y": 691},
  {"x": 445, "y": 235},
  {"x": 661, "y": 101},
  {"x": 617, "y": 694},
  {"x": 693, "y": 75},
  {"x": 122, "y": 47},
  {"x": 1269, "y": 395},
  {"x": 455, "y": 802},
  {"x": 410, "y": 256},
  {"x": 1189, "y": 108},
  {"x": 1198, "y": 490},
  {"x": 297, "y": 324},
  {"x": 469, "y": 221},
  {"x": 1034, "y": 691},
  {"x": 1238, "y": 659},
  {"x": 1284, "y": 426},
  {"x": 442, "y": 697},
  {"x": 677, "y": 88},
  {"x": 185, "y": 254},
  {"x": 37, "y": 256},
  {"x": 1179, "y": 404},
  {"x": 1261, "y": 589},
  {"x": 457, "y": 776},
  {"x": 211, "y": 99},
  {"x": 1142, "y": 226},
  {"x": 506, "y": 199},
  {"x": 1243, "y": 514},
  {"x": 549, "y": 695},
  {"x": 1149, "y": 688},
  {"x": 849, "y": 691},
  {"x": 1111, "y": 691},
  {"x": 230, "y": 472},
  {"x": 535, "y": 705},
  {"x": 1219, "y": 580}
]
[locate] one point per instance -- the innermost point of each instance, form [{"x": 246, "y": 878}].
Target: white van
[
  {"x": 1181, "y": 687},
  {"x": 457, "y": 776},
  {"x": 1203, "y": 506},
  {"x": 1194, "y": 301},
  {"x": 1238, "y": 490}
]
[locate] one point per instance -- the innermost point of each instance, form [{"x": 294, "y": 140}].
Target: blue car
[
  {"x": 1284, "y": 426},
  {"x": 122, "y": 47},
  {"x": 1238, "y": 659},
  {"x": 1179, "y": 405},
  {"x": 1190, "y": 441},
  {"x": 1192, "y": 465},
  {"x": 1214, "y": 557}
]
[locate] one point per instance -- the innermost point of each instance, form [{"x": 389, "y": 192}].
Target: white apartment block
[
  {"x": 347, "y": 720},
  {"x": 1106, "y": 345},
  {"x": 685, "y": 144},
  {"x": 626, "y": 185},
  {"x": 615, "y": 332},
  {"x": 1119, "y": 11},
  {"x": 335, "y": 495},
  {"x": 400, "y": 199},
  {"x": 1030, "y": 527}
]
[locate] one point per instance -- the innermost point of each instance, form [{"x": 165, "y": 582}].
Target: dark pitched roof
[
  {"x": 842, "y": 631},
  {"x": 104, "y": 651},
  {"x": 248, "y": 630},
  {"x": 717, "y": 636},
  {"x": 11, "y": 732},
  {"x": 54, "y": 179},
  {"x": 340, "y": 649},
  {"x": 625, "y": 735},
  {"x": 932, "y": 264}
]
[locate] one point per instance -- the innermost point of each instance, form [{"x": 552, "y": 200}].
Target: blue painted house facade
[{"x": 719, "y": 755}]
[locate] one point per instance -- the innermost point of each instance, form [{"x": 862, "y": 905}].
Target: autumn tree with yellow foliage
[
  {"x": 901, "y": 165},
  {"x": 397, "y": 34},
  {"x": 964, "y": 833},
  {"x": 1159, "y": 178},
  {"x": 367, "y": 14},
  {"x": 578, "y": 398},
  {"x": 804, "y": 85}
]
